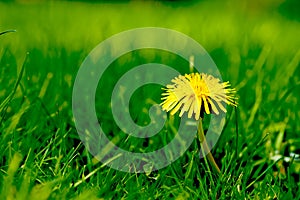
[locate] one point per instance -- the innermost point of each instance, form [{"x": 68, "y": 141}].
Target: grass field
[{"x": 255, "y": 46}]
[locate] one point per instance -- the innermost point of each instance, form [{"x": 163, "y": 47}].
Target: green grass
[{"x": 41, "y": 155}]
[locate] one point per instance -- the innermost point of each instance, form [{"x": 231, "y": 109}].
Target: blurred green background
[{"x": 255, "y": 45}]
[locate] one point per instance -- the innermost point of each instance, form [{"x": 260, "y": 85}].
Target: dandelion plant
[{"x": 195, "y": 94}]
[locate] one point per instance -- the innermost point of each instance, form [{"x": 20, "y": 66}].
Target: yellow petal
[
  {"x": 191, "y": 110},
  {"x": 221, "y": 106},
  {"x": 213, "y": 107},
  {"x": 198, "y": 112},
  {"x": 205, "y": 105},
  {"x": 186, "y": 106},
  {"x": 177, "y": 107}
]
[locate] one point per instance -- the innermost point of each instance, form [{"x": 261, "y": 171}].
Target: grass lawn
[{"x": 255, "y": 46}]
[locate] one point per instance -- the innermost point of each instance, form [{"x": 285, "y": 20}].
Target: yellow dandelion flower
[{"x": 195, "y": 93}]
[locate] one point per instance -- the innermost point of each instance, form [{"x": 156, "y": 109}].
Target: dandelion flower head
[{"x": 195, "y": 93}]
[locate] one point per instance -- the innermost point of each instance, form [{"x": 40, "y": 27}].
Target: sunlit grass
[{"x": 41, "y": 154}]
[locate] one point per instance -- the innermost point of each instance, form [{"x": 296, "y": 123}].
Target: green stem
[{"x": 204, "y": 145}]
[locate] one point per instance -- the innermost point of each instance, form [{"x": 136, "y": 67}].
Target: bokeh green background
[{"x": 255, "y": 45}]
